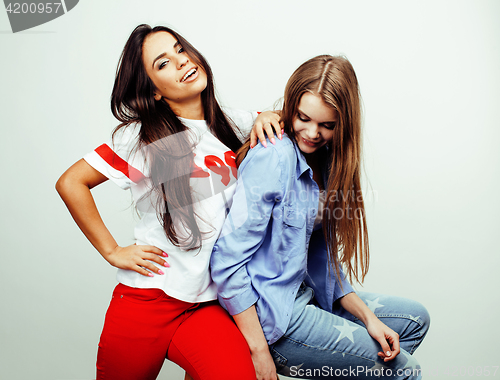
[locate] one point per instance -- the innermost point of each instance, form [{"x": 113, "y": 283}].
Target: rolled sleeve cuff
[
  {"x": 96, "y": 161},
  {"x": 341, "y": 292},
  {"x": 240, "y": 302}
]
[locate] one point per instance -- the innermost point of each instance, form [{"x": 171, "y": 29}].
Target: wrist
[
  {"x": 108, "y": 252},
  {"x": 368, "y": 318},
  {"x": 258, "y": 348}
]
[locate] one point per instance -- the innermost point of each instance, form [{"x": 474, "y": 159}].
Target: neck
[
  {"x": 188, "y": 109},
  {"x": 313, "y": 160}
]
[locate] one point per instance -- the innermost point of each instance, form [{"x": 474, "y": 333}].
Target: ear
[{"x": 157, "y": 97}]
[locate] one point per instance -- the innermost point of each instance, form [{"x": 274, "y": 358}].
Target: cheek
[
  {"x": 297, "y": 126},
  {"x": 204, "y": 82},
  {"x": 328, "y": 136},
  {"x": 166, "y": 77}
]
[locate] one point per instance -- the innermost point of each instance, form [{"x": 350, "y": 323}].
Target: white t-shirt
[{"x": 213, "y": 182}]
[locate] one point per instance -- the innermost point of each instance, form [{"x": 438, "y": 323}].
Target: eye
[
  {"x": 162, "y": 64},
  {"x": 181, "y": 50},
  {"x": 329, "y": 126},
  {"x": 302, "y": 118}
]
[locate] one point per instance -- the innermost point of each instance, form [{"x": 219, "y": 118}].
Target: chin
[{"x": 307, "y": 149}]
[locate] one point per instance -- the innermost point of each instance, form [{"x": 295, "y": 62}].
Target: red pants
[{"x": 145, "y": 326}]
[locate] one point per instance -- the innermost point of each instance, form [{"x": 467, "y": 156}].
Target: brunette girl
[
  {"x": 278, "y": 264},
  {"x": 174, "y": 150}
]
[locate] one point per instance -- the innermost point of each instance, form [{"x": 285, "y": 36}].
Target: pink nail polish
[
  {"x": 165, "y": 264},
  {"x": 165, "y": 254},
  {"x": 273, "y": 141},
  {"x": 160, "y": 272},
  {"x": 265, "y": 144},
  {"x": 151, "y": 274}
]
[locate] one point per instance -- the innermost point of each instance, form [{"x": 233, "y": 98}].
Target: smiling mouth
[
  {"x": 310, "y": 143},
  {"x": 190, "y": 74}
]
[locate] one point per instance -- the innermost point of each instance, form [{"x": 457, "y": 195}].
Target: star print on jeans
[
  {"x": 346, "y": 331},
  {"x": 373, "y": 305}
]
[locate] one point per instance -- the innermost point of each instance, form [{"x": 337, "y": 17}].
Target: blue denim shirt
[{"x": 261, "y": 256}]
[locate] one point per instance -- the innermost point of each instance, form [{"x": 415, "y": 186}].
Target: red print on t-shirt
[
  {"x": 217, "y": 166},
  {"x": 218, "y": 169}
]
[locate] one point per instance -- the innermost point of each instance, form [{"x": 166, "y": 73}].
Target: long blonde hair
[{"x": 344, "y": 221}]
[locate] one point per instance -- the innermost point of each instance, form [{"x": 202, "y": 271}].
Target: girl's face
[
  {"x": 314, "y": 123},
  {"x": 176, "y": 77}
]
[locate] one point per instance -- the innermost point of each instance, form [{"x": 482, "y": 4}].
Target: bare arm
[
  {"x": 74, "y": 188},
  {"x": 387, "y": 338},
  {"x": 249, "y": 325}
]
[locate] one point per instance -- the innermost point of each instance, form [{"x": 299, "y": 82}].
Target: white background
[{"x": 429, "y": 73}]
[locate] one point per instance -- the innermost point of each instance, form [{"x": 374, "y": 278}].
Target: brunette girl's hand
[
  {"x": 387, "y": 338},
  {"x": 268, "y": 121},
  {"x": 264, "y": 365},
  {"x": 138, "y": 258}
]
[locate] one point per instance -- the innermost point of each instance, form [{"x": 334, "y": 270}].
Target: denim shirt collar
[{"x": 302, "y": 165}]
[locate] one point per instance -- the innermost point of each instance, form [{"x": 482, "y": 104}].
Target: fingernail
[
  {"x": 165, "y": 254},
  {"x": 165, "y": 264},
  {"x": 388, "y": 353},
  {"x": 273, "y": 140},
  {"x": 265, "y": 144},
  {"x": 151, "y": 274},
  {"x": 280, "y": 136},
  {"x": 160, "y": 272}
]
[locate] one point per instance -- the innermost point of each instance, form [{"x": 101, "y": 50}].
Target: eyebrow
[{"x": 163, "y": 54}]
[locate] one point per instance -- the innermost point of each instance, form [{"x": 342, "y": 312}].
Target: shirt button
[
  {"x": 277, "y": 199},
  {"x": 215, "y": 248}
]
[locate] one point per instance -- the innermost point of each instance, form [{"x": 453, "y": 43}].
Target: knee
[{"x": 422, "y": 317}]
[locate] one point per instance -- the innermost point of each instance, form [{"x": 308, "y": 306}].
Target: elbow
[
  {"x": 62, "y": 184},
  {"x": 67, "y": 184}
]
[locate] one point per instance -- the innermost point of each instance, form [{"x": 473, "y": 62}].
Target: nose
[
  {"x": 182, "y": 60},
  {"x": 313, "y": 132}
]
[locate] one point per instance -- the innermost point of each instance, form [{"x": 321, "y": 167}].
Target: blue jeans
[{"x": 323, "y": 345}]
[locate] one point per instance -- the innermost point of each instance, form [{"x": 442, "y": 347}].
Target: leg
[
  {"x": 322, "y": 345},
  {"x": 408, "y": 318},
  {"x": 135, "y": 336},
  {"x": 209, "y": 346}
]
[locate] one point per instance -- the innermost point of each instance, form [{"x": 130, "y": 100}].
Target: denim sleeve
[
  {"x": 346, "y": 286},
  {"x": 245, "y": 229}
]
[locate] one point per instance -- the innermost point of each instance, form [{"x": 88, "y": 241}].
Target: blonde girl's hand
[
  {"x": 268, "y": 122},
  {"x": 263, "y": 362},
  {"x": 138, "y": 258},
  {"x": 386, "y": 337}
]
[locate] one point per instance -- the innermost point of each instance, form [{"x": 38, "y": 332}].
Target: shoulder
[
  {"x": 125, "y": 140},
  {"x": 241, "y": 119},
  {"x": 280, "y": 154},
  {"x": 127, "y": 133},
  {"x": 239, "y": 115}
]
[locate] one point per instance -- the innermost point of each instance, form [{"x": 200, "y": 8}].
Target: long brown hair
[
  {"x": 344, "y": 221},
  {"x": 132, "y": 101}
]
